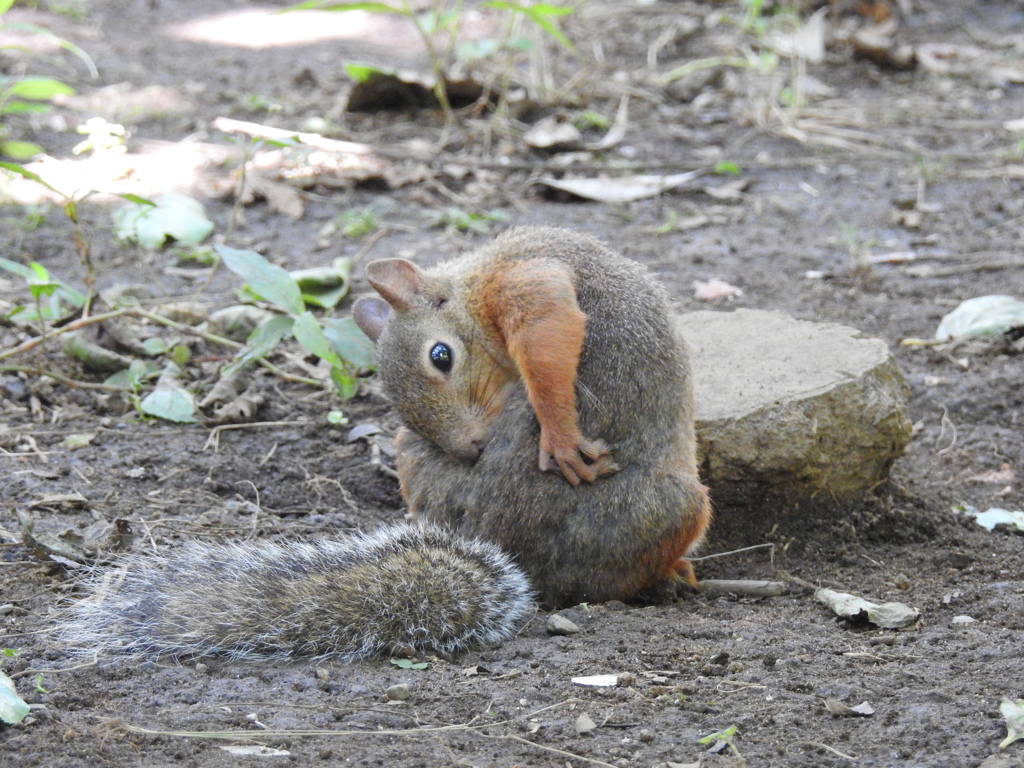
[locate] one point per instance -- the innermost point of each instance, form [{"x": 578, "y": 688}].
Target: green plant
[
  {"x": 358, "y": 222},
  {"x": 59, "y": 296},
  {"x": 337, "y": 341},
  {"x": 101, "y": 137},
  {"x": 22, "y": 94},
  {"x": 726, "y": 736},
  {"x": 588, "y": 118},
  {"x": 456, "y": 219},
  {"x": 439, "y": 28}
]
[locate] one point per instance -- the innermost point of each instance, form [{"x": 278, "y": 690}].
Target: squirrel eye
[{"x": 442, "y": 358}]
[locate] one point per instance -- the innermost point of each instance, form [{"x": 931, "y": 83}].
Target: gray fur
[{"x": 399, "y": 590}]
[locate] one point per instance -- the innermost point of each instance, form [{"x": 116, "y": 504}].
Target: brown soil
[{"x": 841, "y": 186}]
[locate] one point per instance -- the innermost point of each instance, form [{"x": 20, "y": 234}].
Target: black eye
[{"x": 442, "y": 358}]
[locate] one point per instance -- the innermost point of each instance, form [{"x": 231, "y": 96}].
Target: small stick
[
  {"x": 744, "y": 587},
  {"x": 315, "y": 140}
]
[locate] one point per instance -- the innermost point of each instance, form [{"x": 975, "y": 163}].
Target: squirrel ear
[
  {"x": 398, "y": 281},
  {"x": 370, "y": 314}
]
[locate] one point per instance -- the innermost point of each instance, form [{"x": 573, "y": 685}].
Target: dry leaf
[
  {"x": 597, "y": 681},
  {"x": 585, "y": 724},
  {"x": 280, "y": 197},
  {"x": 838, "y": 709},
  {"x": 624, "y": 189},
  {"x": 884, "y": 615},
  {"x": 714, "y": 289}
]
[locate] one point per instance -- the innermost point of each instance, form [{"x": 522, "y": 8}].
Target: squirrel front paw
[{"x": 577, "y": 460}]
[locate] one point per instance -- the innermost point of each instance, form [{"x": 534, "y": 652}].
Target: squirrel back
[
  {"x": 400, "y": 590},
  {"x": 605, "y": 539}
]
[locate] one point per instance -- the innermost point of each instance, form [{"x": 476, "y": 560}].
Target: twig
[
  {"x": 819, "y": 745},
  {"x": 747, "y": 588},
  {"x": 73, "y": 383},
  {"x": 564, "y": 753},
  {"x": 315, "y": 140},
  {"x": 214, "y": 438},
  {"x": 30, "y": 344},
  {"x": 731, "y": 552}
]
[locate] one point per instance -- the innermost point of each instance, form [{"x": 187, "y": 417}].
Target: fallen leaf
[
  {"x": 73, "y": 499},
  {"x": 982, "y": 316},
  {"x": 79, "y": 440},
  {"x": 838, "y": 709},
  {"x": 584, "y": 724},
  {"x": 714, "y": 289},
  {"x": 553, "y": 135},
  {"x": 805, "y": 41},
  {"x": 851, "y": 607},
  {"x": 597, "y": 681},
  {"x": 1013, "y": 711},
  {"x": 12, "y": 707},
  {"x": 254, "y": 750},
  {"x": 169, "y": 400},
  {"x": 994, "y": 516},
  {"x": 623, "y": 189},
  {"x": 174, "y": 215},
  {"x": 280, "y": 197}
]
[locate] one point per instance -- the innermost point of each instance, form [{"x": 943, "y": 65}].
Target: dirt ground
[{"x": 878, "y": 164}]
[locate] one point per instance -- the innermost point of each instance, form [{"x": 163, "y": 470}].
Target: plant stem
[
  {"x": 30, "y": 344},
  {"x": 73, "y": 383}
]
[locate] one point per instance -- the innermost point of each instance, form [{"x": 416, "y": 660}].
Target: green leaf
[
  {"x": 131, "y": 378},
  {"x": 361, "y": 72},
  {"x": 1013, "y": 711},
  {"x": 723, "y": 735},
  {"x": 15, "y": 168},
  {"x": 324, "y": 286},
  {"x": 5, "y": 6},
  {"x": 18, "y": 269},
  {"x": 12, "y": 707},
  {"x": 23, "y": 107},
  {"x": 173, "y": 216},
  {"x": 540, "y": 14},
  {"x": 21, "y": 150},
  {"x": 180, "y": 355},
  {"x": 326, "y": 5},
  {"x": 267, "y": 280},
  {"x": 266, "y": 336},
  {"x": 309, "y": 334},
  {"x": 154, "y": 346},
  {"x": 476, "y": 49},
  {"x": 39, "y": 88},
  {"x": 351, "y": 344},
  {"x": 135, "y": 199},
  {"x": 726, "y": 167},
  {"x": 345, "y": 384},
  {"x": 170, "y": 403}
]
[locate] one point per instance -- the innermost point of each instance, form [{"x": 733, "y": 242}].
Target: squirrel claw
[{"x": 586, "y": 461}]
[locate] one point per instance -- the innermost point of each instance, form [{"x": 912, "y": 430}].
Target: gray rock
[
  {"x": 559, "y": 625},
  {"x": 793, "y": 408}
]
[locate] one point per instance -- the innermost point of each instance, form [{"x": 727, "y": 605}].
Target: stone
[
  {"x": 793, "y": 409},
  {"x": 560, "y": 626}
]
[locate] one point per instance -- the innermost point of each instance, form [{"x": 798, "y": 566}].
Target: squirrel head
[{"x": 432, "y": 358}]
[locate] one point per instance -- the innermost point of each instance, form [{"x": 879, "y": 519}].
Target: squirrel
[
  {"x": 544, "y": 342},
  {"x": 402, "y": 590},
  {"x": 548, "y": 420}
]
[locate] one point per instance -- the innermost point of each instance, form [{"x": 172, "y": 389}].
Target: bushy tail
[{"x": 398, "y": 590}]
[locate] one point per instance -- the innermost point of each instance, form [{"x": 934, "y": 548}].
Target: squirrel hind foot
[{"x": 584, "y": 462}]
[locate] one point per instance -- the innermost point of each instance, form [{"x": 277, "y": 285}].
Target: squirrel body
[
  {"x": 543, "y": 350},
  {"x": 400, "y": 590},
  {"x": 467, "y": 457}
]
